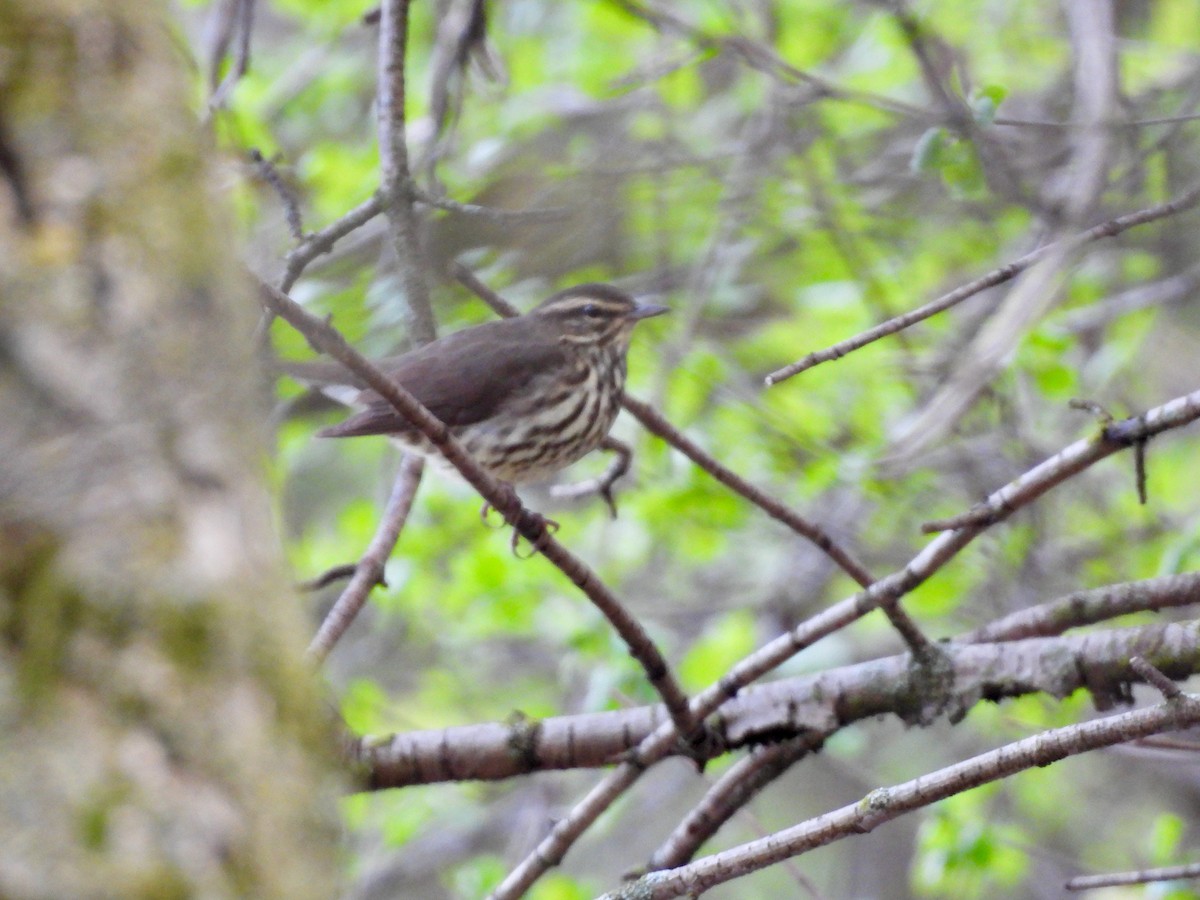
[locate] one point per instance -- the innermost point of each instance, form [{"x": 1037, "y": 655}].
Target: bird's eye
[{"x": 592, "y": 311}]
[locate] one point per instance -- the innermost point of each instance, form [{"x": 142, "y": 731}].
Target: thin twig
[
  {"x": 657, "y": 424},
  {"x": 1170, "y": 290},
  {"x": 322, "y": 241},
  {"x": 369, "y": 571},
  {"x": 1089, "y": 607},
  {"x": 403, "y": 224},
  {"x": 1155, "y": 678},
  {"x": 1142, "y": 876},
  {"x": 502, "y": 498},
  {"x": 736, "y": 787},
  {"x": 328, "y": 577},
  {"x": 291, "y": 207},
  {"x": 1113, "y": 227},
  {"x": 1108, "y": 123},
  {"x": 533, "y": 214},
  {"x": 240, "y": 22}
]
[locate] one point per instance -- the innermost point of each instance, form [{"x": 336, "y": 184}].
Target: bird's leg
[{"x": 602, "y": 484}]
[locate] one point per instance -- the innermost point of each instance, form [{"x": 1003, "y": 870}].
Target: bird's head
[{"x": 595, "y": 314}]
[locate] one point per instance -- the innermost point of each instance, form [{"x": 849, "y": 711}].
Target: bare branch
[
  {"x": 235, "y": 19},
  {"x": 736, "y": 787},
  {"x": 535, "y": 214},
  {"x": 369, "y": 571},
  {"x": 1156, "y": 293},
  {"x": 1108, "y": 123},
  {"x": 656, "y": 424},
  {"x": 403, "y": 225},
  {"x": 1142, "y": 876},
  {"x": 1089, "y": 607},
  {"x": 322, "y": 241},
  {"x": 809, "y": 708},
  {"x": 1152, "y": 676},
  {"x": 328, "y": 577},
  {"x": 1186, "y": 200},
  {"x": 291, "y": 208}
]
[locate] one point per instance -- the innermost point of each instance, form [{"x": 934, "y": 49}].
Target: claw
[
  {"x": 606, "y": 495},
  {"x": 549, "y": 524},
  {"x": 485, "y": 513}
]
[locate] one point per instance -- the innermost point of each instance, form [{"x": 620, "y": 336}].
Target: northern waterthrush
[{"x": 526, "y": 396}]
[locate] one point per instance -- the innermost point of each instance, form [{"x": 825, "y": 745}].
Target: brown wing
[{"x": 462, "y": 378}]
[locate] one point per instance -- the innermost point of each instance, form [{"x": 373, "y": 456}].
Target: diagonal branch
[
  {"x": 502, "y": 498},
  {"x": 1111, "y": 228},
  {"x": 1088, "y": 607},
  {"x": 322, "y": 241},
  {"x": 736, "y": 787},
  {"x": 369, "y": 570}
]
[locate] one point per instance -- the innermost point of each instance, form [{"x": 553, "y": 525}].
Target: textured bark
[{"x": 159, "y": 734}]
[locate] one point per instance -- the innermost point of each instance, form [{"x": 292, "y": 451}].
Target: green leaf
[
  {"x": 930, "y": 150},
  {"x": 986, "y": 101}
]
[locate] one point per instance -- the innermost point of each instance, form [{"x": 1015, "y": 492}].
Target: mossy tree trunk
[{"x": 160, "y": 735}]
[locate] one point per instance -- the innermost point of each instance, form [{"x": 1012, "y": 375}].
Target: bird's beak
[{"x": 647, "y": 310}]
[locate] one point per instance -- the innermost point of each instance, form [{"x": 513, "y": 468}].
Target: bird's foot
[
  {"x": 536, "y": 518},
  {"x": 545, "y": 522}
]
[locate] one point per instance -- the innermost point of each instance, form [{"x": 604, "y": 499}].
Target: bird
[{"x": 526, "y": 396}]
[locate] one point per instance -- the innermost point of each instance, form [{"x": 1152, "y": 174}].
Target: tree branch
[
  {"x": 808, "y": 708},
  {"x": 1142, "y": 876},
  {"x": 1089, "y": 607},
  {"x": 403, "y": 226},
  {"x": 322, "y": 241},
  {"x": 1111, "y": 228},
  {"x": 369, "y": 570}
]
